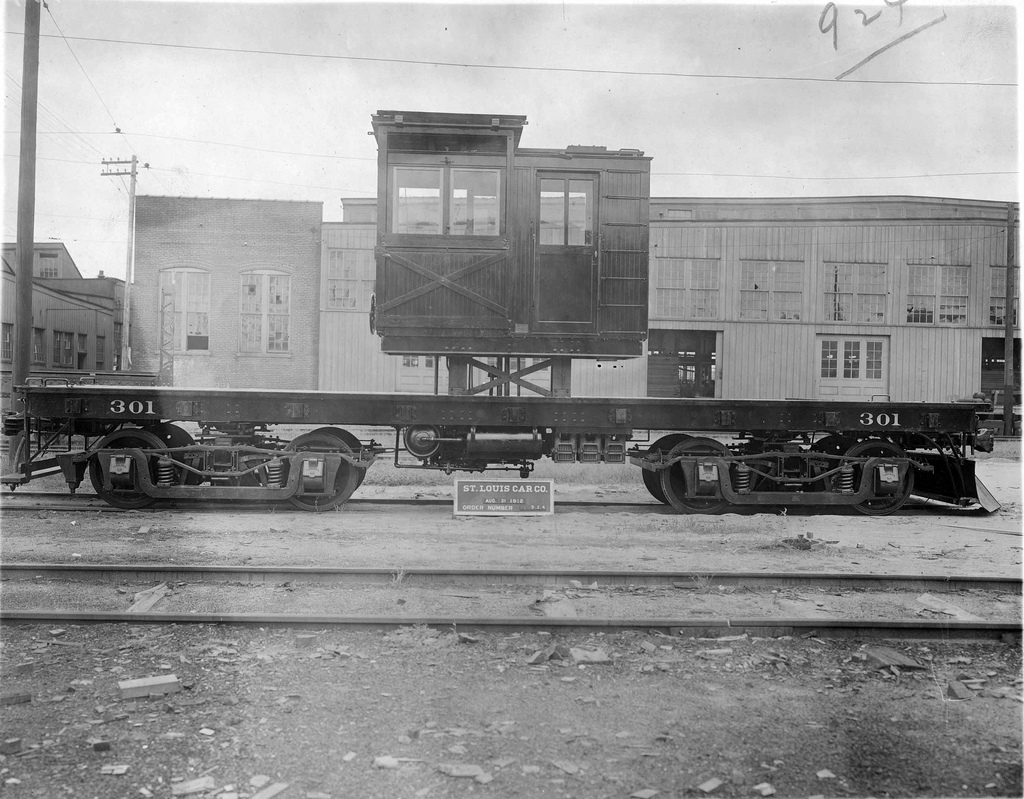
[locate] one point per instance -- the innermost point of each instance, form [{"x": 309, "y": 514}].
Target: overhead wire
[{"x": 529, "y": 68}]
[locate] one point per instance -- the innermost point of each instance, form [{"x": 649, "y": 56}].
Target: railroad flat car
[{"x": 488, "y": 253}]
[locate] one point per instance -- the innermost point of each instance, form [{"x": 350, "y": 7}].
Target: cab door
[{"x": 565, "y": 265}]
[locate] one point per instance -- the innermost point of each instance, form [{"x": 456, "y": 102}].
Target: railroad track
[
  {"x": 61, "y": 502},
  {"x": 707, "y": 584}
]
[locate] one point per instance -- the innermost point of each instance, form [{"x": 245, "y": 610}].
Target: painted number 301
[
  {"x": 880, "y": 419},
  {"x": 136, "y": 407}
]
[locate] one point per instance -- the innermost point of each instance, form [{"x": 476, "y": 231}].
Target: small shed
[{"x": 486, "y": 248}]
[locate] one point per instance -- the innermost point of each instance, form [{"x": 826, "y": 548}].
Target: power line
[
  {"x": 521, "y": 68},
  {"x": 86, "y": 74}
]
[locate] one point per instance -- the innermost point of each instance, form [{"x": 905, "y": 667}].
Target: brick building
[{"x": 226, "y": 292}]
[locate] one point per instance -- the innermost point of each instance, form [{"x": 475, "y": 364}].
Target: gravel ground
[
  {"x": 515, "y": 601},
  {"x": 401, "y": 714}
]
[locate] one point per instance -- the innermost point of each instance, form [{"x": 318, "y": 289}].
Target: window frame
[
  {"x": 362, "y": 285},
  {"x": 771, "y": 294},
  {"x": 7, "y": 341},
  {"x": 445, "y": 166},
  {"x": 692, "y": 285},
  {"x": 859, "y": 289},
  {"x": 997, "y": 291},
  {"x": 39, "y": 346},
  {"x": 182, "y": 337},
  {"x": 933, "y": 312},
  {"x": 265, "y": 330}
]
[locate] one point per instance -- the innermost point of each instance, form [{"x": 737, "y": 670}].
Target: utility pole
[
  {"x": 1010, "y": 319},
  {"x": 26, "y": 201},
  {"x": 126, "y": 323}
]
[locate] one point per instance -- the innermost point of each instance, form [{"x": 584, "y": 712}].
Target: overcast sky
[{"x": 273, "y": 100}]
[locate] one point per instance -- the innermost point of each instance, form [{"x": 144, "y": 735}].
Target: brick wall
[{"x": 227, "y": 238}]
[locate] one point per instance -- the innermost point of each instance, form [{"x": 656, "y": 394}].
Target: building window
[
  {"x": 771, "y": 290},
  {"x": 265, "y": 312},
  {"x": 7, "y": 342},
  {"x": 48, "y": 265},
  {"x": 39, "y": 346},
  {"x": 686, "y": 288},
  {"x": 454, "y": 201},
  {"x": 350, "y": 276},
  {"x": 191, "y": 291},
  {"x": 997, "y": 297},
  {"x": 937, "y": 294},
  {"x": 410, "y": 361},
  {"x": 855, "y": 293},
  {"x": 101, "y": 352},
  {"x": 63, "y": 348}
]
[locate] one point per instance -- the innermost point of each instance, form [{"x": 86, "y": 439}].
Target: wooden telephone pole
[
  {"x": 26, "y": 201},
  {"x": 126, "y": 322}
]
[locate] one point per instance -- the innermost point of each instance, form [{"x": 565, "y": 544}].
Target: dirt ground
[{"x": 402, "y": 714}]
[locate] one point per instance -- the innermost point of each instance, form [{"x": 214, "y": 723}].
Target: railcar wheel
[
  {"x": 347, "y": 479},
  {"x": 126, "y": 438},
  {"x": 673, "y": 479},
  {"x": 880, "y": 506},
  {"x": 652, "y": 480}
]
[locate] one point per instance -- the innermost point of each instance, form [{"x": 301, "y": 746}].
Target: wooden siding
[
  {"x": 624, "y": 245},
  {"x": 778, "y": 358}
]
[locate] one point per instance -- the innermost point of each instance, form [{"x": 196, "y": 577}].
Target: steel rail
[
  {"x": 94, "y": 504},
  {"x": 704, "y": 627},
  {"x": 692, "y": 580}
]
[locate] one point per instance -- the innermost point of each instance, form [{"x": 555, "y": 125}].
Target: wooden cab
[{"x": 486, "y": 248}]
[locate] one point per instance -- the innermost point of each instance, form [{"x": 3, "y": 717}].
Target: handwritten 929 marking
[{"x": 828, "y": 23}]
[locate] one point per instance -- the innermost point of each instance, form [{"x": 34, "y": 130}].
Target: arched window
[
  {"x": 190, "y": 289},
  {"x": 264, "y": 312}
]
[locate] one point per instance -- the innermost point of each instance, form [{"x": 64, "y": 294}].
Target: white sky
[{"x": 730, "y": 100}]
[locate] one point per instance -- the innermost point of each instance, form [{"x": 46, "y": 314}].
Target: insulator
[
  {"x": 742, "y": 481},
  {"x": 165, "y": 473},
  {"x": 275, "y": 474},
  {"x": 846, "y": 479}
]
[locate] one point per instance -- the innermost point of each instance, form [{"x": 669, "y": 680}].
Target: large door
[{"x": 565, "y": 267}]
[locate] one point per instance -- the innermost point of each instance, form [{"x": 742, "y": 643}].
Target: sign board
[{"x": 482, "y": 497}]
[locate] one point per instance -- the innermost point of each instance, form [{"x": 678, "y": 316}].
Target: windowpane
[
  {"x": 851, "y": 359},
  {"x": 829, "y": 358},
  {"x": 417, "y": 201},
  {"x": 475, "y": 202},
  {"x": 754, "y": 290},
  {"x": 871, "y": 308},
  {"x": 581, "y": 224},
  {"x": 873, "y": 360},
  {"x": 7, "y": 342},
  {"x": 787, "y": 304},
  {"x": 191, "y": 303},
  {"x": 920, "y": 308},
  {"x": 251, "y": 332},
  {"x": 38, "y": 345},
  {"x": 552, "y": 211}
]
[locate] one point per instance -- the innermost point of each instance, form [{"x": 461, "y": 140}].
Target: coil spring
[
  {"x": 165, "y": 473},
  {"x": 275, "y": 474},
  {"x": 846, "y": 479},
  {"x": 742, "y": 481}
]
